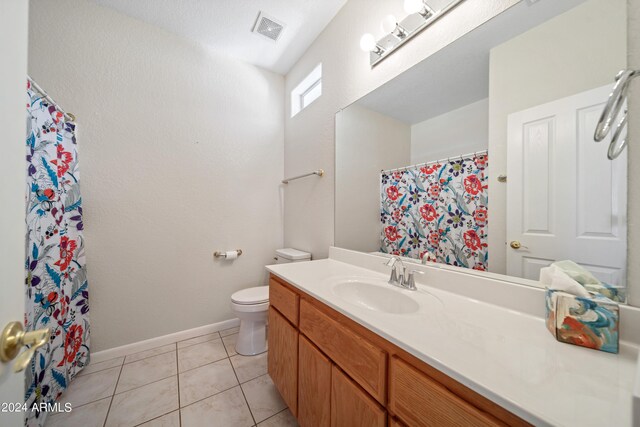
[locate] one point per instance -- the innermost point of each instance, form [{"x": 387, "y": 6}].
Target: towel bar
[
  {"x": 319, "y": 172},
  {"x": 611, "y": 110}
]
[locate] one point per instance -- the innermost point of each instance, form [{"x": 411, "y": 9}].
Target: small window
[{"x": 307, "y": 91}]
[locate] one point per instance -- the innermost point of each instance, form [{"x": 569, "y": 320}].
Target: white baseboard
[{"x": 139, "y": 346}]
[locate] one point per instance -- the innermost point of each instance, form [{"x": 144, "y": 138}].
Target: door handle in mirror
[
  {"x": 517, "y": 245},
  {"x": 14, "y": 337}
]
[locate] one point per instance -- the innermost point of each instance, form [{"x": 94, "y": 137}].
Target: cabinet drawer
[
  {"x": 420, "y": 401},
  {"x": 285, "y": 300},
  {"x": 351, "y": 406},
  {"x": 363, "y": 361}
]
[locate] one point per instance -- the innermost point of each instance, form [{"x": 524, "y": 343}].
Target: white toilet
[{"x": 251, "y": 306}]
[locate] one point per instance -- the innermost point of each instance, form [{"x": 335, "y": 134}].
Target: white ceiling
[
  {"x": 458, "y": 74},
  {"x": 225, "y": 25}
]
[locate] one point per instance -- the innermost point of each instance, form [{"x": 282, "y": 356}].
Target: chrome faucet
[
  {"x": 394, "y": 279},
  {"x": 429, "y": 257},
  {"x": 410, "y": 282},
  {"x": 402, "y": 280}
]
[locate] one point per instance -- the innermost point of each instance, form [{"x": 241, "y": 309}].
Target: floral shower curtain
[
  {"x": 438, "y": 209},
  {"x": 56, "y": 279}
]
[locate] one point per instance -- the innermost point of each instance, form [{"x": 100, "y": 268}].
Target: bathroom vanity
[
  {"x": 347, "y": 349},
  {"x": 332, "y": 371}
]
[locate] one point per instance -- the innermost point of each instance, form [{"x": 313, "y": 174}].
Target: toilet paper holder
[{"x": 220, "y": 254}]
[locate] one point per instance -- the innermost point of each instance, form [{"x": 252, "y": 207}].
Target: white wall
[
  {"x": 309, "y": 136},
  {"x": 461, "y": 131},
  {"x": 13, "y": 27},
  {"x": 367, "y": 143},
  {"x": 579, "y": 50},
  {"x": 181, "y": 154}
]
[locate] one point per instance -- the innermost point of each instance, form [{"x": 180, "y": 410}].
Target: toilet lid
[{"x": 256, "y": 295}]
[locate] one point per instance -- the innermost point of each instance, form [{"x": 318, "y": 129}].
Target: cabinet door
[
  {"x": 314, "y": 386},
  {"x": 351, "y": 406},
  {"x": 394, "y": 422},
  {"x": 283, "y": 358}
]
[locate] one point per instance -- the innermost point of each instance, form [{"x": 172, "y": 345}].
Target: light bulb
[
  {"x": 388, "y": 24},
  {"x": 368, "y": 42},
  {"x": 413, "y": 6}
]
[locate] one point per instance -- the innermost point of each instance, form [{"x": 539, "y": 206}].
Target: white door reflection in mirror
[{"x": 566, "y": 200}]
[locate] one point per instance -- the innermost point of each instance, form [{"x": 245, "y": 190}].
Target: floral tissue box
[
  {"x": 587, "y": 322},
  {"x": 613, "y": 292}
]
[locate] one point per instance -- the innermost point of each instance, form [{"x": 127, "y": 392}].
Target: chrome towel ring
[{"x": 611, "y": 110}]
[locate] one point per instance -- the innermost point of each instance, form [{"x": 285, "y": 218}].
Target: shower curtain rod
[
  {"x": 46, "y": 96},
  {"x": 405, "y": 168}
]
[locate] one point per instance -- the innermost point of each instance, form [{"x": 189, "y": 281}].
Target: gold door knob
[
  {"x": 515, "y": 244},
  {"x": 14, "y": 337}
]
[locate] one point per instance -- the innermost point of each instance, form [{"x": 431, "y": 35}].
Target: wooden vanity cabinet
[
  {"x": 363, "y": 361},
  {"x": 314, "y": 386},
  {"x": 332, "y": 371},
  {"x": 282, "y": 359},
  {"x": 423, "y": 402},
  {"x": 352, "y": 406},
  {"x": 285, "y": 300},
  {"x": 394, "y": 422}
]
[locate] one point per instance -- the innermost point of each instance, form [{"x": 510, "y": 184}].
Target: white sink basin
[{"x": 372, "y": 295}]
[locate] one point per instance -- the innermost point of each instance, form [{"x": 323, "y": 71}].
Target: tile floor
[{"x": 191, "y": 383}]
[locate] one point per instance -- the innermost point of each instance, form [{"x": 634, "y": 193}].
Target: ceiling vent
[{"x": 268, "y": 27}]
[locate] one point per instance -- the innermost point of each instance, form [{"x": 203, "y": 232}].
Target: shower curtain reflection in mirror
[{"x": 437, "y": 210}]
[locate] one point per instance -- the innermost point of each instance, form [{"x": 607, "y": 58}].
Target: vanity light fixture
[
  {"x": 368, "y": 44},
  {"x": 390, "y": 25},
  {"x": 421, "y": 15},
  {"x": 418, "y": 6}
]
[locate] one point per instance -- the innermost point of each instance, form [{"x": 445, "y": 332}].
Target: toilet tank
[{"x": 287, "y": 255}]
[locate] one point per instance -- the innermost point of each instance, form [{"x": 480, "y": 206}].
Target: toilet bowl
[{"x": 251, "y": 306}]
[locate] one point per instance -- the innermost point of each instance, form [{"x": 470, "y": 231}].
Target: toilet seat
[
  {"x": 250, "y": 308},
  {"x": 251, "y": 296}
]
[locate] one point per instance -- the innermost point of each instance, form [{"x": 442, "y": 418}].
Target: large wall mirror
[{"x": 482, "y": 156}]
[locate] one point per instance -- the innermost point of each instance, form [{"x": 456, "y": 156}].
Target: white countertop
[{"x": 505, "y": 355}]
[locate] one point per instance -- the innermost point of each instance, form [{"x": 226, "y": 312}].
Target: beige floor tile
[
  {"x": 229, "y": 331},
  {"x": 249, "y": 367},
  {"x": 230, "y": 343},
  {"x": 200, "y": 354},
  {"x": 197, "y": 340},
  {"x": 144, "y": 403},
  {"x": 169, "y": 420},
  {"x": 101, "y": 366},
  {"x": 146, "y": 371},
  {"x": 148, "y": 353},
  {"x": 222, "y": 410},
  {"x": 282, "y": 419},
  {"x": 91, "y": 387},
  {"x": 206, "y": 381},
  {"x": 263, "y": 398},
  {"x": 89, "y": 415}
]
